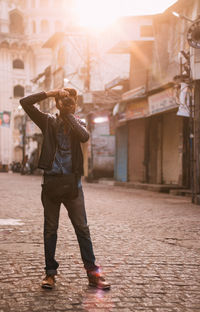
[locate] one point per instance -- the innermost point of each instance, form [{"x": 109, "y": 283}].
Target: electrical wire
[{"x": 77, "y": 50}]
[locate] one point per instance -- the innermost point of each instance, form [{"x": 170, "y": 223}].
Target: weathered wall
[
  {"x": 103, "y": 149},
  {"x": 172, "y": 148},
  {"x": 136, "y": 141},
  {"x": 166, "y": 148},
  {"x": 140, "y": 63}
]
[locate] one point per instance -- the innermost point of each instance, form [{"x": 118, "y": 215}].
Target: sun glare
[{"x": 96, "y": 14}]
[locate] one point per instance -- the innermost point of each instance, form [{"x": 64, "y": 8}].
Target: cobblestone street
[{"x": 147, "y": 244}]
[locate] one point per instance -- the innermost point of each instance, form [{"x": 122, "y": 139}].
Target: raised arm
[{"x": 38, "y": 117}]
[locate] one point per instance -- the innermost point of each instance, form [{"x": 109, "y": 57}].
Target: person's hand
[{"x": 57, "y": 93}]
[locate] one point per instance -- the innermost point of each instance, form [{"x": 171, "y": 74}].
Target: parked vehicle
[{"x": 16, "y": 166}]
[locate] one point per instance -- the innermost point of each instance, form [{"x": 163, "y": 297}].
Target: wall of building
[
  {"x": 136, "y": 145},
  {"x": 166, "y": 149},
  {"x": 154, "y": 157},
  {"x": 103, "y": 150},
  {"x": 170, "y": 35},
  {"x": 24, "y": 42},
  {"x": 172, "y": 148},
  {"x": 166, "y": 155},
  {"x": 121, "y": 154},
  {"x": 140, "y": 64},
  {"x": 10, "y": 78}
]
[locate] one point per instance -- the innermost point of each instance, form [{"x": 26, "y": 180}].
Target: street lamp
[
  {"x": 182, "y": 16},
  {"x": 193, "y": 34}
]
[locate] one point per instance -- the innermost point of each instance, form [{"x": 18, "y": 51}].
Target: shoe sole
[
  {"x": 102, "y": 288},
  {"x": 47, "y": 286}
]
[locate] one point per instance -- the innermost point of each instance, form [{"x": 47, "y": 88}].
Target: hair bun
[{"x": 71, "y": 91}]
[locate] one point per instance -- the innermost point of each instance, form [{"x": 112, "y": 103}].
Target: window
[
  {"x": 18, "y": 91},
  {"x": 18, "y": 64},
  {"x": 16, "y": 23},
  {"x": 44, "y": 26},
  {"x": 146, "y": 31}
]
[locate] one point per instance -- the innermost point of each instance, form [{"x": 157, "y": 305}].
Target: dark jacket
[{"x": 48, "y": 124}]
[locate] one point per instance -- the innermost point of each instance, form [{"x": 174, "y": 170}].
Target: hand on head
[
  {"x": 57, "y": 93},
  {"x": 62, "y": 93},
  {"x": 65, "y": 100}
]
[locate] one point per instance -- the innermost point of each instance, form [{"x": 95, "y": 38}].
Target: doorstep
[
  {"x": 181, "y": 192},
  {"x": 106, "y": 181},
  {"x": 161, "y": 188}
]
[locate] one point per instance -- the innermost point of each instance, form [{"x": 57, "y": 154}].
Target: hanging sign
[
  {"x": 162, "y": 101},
  {"x": 5, "y": 117}
]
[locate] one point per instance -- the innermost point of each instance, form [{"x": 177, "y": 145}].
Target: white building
[{"x": 24, "y": 26}]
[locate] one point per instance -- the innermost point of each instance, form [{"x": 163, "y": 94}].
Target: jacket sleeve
[
  {"x": 38, "y": 117},
  {"x": 78, "y": 127}
]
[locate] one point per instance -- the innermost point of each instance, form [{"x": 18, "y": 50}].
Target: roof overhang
[
  {"x": 141, "y": 92},
  {"x": 118, "y": 81}
]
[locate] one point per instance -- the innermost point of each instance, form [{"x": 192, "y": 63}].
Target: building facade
[
  {"x": 24, "y": 27},
  {"x": 153, "y": 141}
]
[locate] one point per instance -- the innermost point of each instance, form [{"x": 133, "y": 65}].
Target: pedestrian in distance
[{"x": 62, "y": 162}]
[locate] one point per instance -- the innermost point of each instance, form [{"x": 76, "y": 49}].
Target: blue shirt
[
  {"x": 62, "y": 163},
  {"x": 63, "y": 158}
]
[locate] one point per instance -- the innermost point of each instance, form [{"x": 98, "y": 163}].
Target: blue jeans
[{"x": 77, "y": 215}]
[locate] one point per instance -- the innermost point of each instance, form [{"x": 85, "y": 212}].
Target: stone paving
[{"x": 146, "y": 242}]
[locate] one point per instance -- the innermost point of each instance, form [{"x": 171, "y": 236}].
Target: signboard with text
[
  {"x": 137, "y": 109},
  {"x": 162, "y": 101}
]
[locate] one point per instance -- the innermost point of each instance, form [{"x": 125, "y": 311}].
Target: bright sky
[{"x": 101, "y": 13}]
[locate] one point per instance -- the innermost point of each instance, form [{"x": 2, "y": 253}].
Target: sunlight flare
[{"x": 98, "y": 14}]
